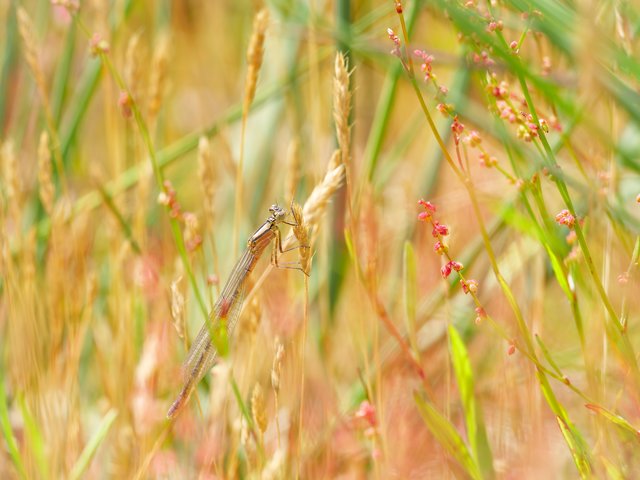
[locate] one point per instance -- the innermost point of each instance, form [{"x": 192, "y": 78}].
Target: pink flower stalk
[{"x": 396, "y": 42}]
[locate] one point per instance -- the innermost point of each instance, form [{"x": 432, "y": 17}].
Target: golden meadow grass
[{"x": 464, "y": 184}]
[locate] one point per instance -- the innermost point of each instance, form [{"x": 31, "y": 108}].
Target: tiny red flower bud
[
  {"x": 469, "y": 286},
  {"x": 565, "y": 218},
  {"x": 98, "y": 46},
  {"x": 474, "y": 138},
  {"x": 427, "y": 206},
  {"x": 456, "y": 266},
  {"x": 125, "y": 102},
  {"x": 445, "y": 271},
  {"x": 512, "y": 349},
  {"x": 367, "y": 412},
  {"x": 439, "y": 230},
  {"x": 440, "y": 247}
]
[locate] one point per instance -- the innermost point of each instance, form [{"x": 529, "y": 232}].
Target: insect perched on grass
[{"x": 203, "y": 352}]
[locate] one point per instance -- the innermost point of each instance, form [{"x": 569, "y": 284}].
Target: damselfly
[{"x": 203, "y": 352}]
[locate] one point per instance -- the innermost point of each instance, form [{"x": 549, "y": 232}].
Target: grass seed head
[
  {"x": 258, "y": 409},
  {"x": 342, "y": 104},
  {"x": 255, "y": 54}
]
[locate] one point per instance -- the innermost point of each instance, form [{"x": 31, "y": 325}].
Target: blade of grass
[
  {"x": 34, "y": 439},
  {"x": 572, "y": 436},
  {"x": 476, "y": 431},
  {"x": 615, "y": 419},
  {"x": 446, "y": 434},
  {"x": 7, "y": 432},
  {"x": 92, "y": 445},
  {"x": 580, "y": 457},
  {"x": 8, "y": 65},
  {"x": 83, "y": 94}
]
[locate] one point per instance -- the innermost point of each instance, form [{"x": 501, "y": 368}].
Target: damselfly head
[{"x": 277, "y": 212}]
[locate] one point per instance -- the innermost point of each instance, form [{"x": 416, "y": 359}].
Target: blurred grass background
[{"x": 398, "y": 379}]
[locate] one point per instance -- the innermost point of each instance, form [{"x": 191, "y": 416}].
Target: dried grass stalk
[
  {"x": 133, "y": 66},
  {"x": 157, "y": 79},
  {"x": 45, "y": 182},
  {"x": 276, "y": 368},
  {"x": 11, "y": 178},
  {"x": 293, "y": 169},
  {"x": 25, "y": 26},
  {"x": 207, "y": 175},
  {"x": 177, "y": 307}
]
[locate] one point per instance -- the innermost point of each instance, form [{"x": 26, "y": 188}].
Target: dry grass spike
[
  {"x": 157, "y": 79},
  {"x": 207, "y": 175},
  {"x": 258, "y": 409},
  {"x": 276, "y": 368},
  {"x": 342, "y": 104},
  {"x": 25, "y": 26},
  {"x": 316, "y": 204},
  {"x": 255, "y": 54},
  {"x": 45, "y": 182},
  {"x": 301, "y": 233},
  {"x": 133, "y": 66}
]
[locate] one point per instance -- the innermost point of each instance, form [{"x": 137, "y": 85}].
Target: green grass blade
[
  {"x": 446, "y": 434},
  {"x": 89, "y": 451},
  {"x": 580, "y": 457},
  {"x": 572, "y": 436},
  {"x": 34, "y": 439},
  {"x": 9, "y": 63},
  {"x": 615, "y": 419},
  {"x": 81, "y": 100},
  {"x": 476, "y": 431},
  {"x": 9, "y": 438}
]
